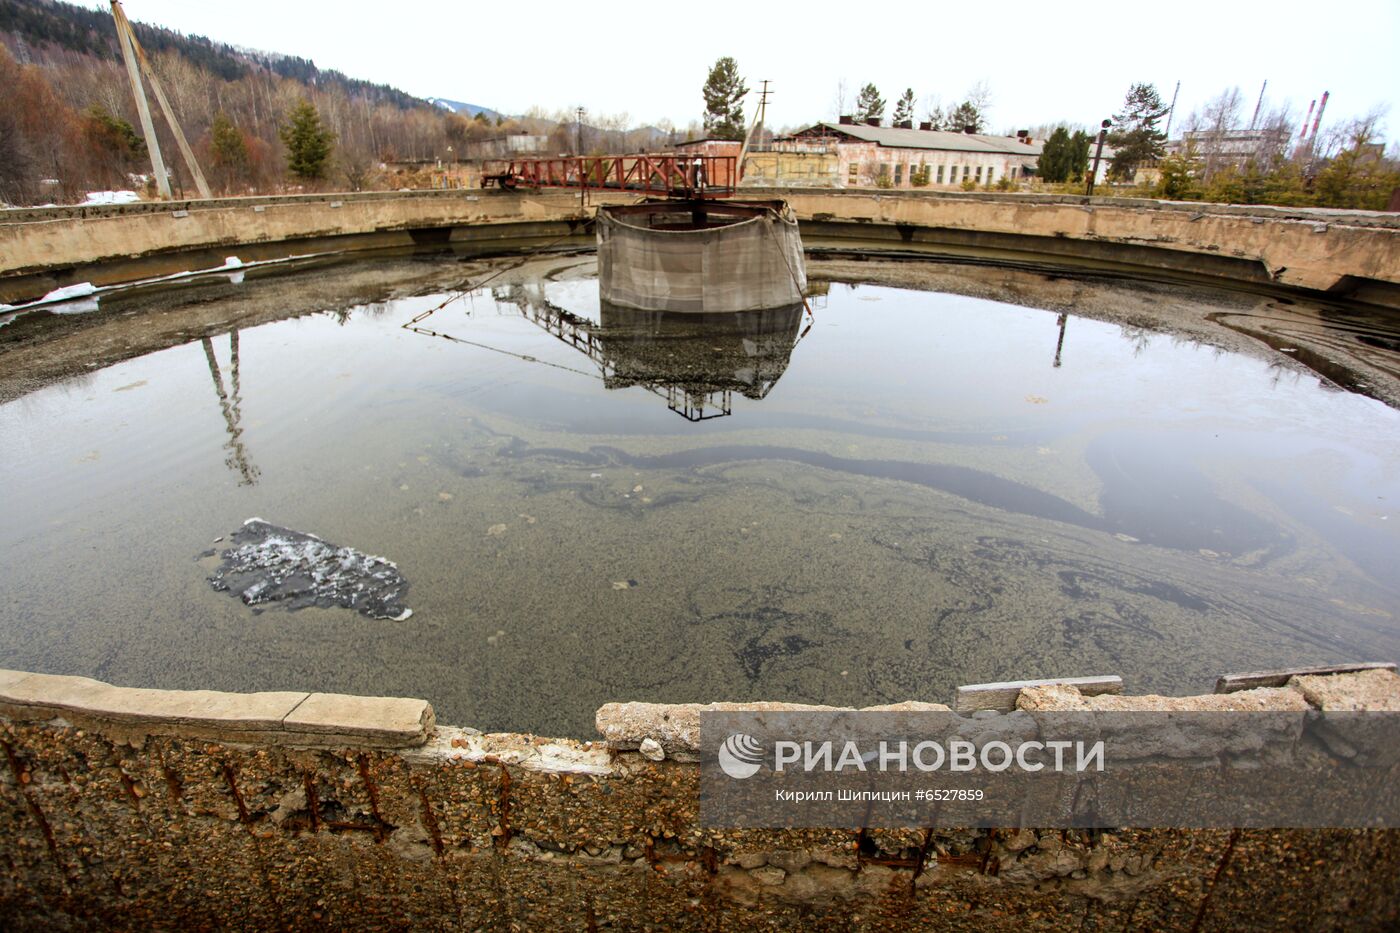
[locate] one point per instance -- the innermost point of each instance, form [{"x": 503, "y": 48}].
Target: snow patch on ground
[
  {"x": 233, "y": 267},
  {"x": 111, "y": 197},
  {"x": 69, "y": 292}
]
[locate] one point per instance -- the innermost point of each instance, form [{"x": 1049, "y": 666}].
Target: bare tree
[
  {"x": 1336, "y": 137},
  {"x": 15, "y": 162},
  {"x": 1275, "y": 129},
  {"x": 189, "y": 89},
  {"x": 980, "y": 96},
  {"x": 1212, "y": 126}
]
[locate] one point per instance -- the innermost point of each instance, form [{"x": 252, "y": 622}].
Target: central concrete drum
[{"x": 700, "y": 256}]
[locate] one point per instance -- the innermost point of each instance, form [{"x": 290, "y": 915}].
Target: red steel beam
[{"x": 646, "y": 174}]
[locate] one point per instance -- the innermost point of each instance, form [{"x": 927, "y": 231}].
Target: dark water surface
[{"x": 897, "y": 494}]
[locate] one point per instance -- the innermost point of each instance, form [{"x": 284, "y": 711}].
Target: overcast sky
[{"x": 650, "y": 60}]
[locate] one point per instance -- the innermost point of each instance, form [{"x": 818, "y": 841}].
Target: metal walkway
[{"x": 677, "y": 176}]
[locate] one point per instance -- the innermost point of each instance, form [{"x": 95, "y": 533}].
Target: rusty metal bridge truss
[{"x": 680, "y": 176}]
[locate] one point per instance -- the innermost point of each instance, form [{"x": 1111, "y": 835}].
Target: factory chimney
[{"x": 1317, "y": 120}]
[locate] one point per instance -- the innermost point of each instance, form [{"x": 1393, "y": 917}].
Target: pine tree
[
  {"x": 113, "y": 134},
  {"x": 904, "y": 107},
  {"x": 869, "y": 104},
  {"x": 1055, "y": 157},
  {"x": 227, "y": 144},
  {"x": 1178, "y": 175},
  {"x": 966, "y": 116},
  {"x": 1358, "y": 177},
  {"x": 1135, "y": 135},
  {"x": 227, "y": 149},
  {"x": 1065, "y": 156},
  {"x": 1079, "y": 154},
  {"x": 308, "y": 142},
  {"x": 724, "y": 90}
]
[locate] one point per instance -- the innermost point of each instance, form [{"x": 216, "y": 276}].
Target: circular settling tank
[{"x": 939, "y": 474}]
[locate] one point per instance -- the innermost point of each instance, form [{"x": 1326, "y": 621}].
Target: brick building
[{"x": 897, "y": 156}]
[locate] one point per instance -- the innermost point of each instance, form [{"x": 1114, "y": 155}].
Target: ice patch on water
[{"x": 293, "y": 569}]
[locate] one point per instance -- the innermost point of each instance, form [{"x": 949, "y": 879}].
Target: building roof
[
  {"x": 709, "y": 139},
  {"x": 893, "y": 138}
]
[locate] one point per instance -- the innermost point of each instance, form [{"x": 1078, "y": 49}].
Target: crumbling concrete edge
[
  {"x": 655, "y": 730},
  {"x": 295, "y": 718}
]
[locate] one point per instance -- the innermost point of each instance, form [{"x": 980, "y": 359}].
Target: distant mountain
[
  {"x": 654, "y": 135},
  {"x": 464, "y": 108}
]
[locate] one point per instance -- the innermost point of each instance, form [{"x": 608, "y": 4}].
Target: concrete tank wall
[
  {"x": 1304, "y": 248},
  {"x": 164, "y": 810},
  {"x": 1348, "y": 252},
  {"x": 42, "y": 249}
]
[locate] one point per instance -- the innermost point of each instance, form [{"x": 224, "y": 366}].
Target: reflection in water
[
  {"x": 231, "y": 403},
  {"x": 693, "y": 361},
  {"x": 700, "y": 357},
  {"x": 1354, "y": 349},
  {"x": 1060, "y": 344}
]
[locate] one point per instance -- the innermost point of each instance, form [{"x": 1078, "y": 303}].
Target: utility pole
[
  {"x": 760, "y": 114},
  {"x": 763, "y": 105},
  {"x": 143, "y": 109},
  {"x": 578, "y": 130},
  {"x": 1098, "y": 154},
  {"x": 132, "y": 49}
]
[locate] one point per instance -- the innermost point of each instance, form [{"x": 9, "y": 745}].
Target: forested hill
[
  {"x": 36, "y": 28},
  {"x": 257, "y": 122}
]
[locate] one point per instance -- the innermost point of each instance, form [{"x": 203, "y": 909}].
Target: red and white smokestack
[
  {"x": 1320, "y": 107},
  {"x": 1304, "y": 135}
]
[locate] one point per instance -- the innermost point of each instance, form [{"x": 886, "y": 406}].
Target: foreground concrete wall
[
  {"x": 1349, "y": 252},
  {"x": 175, "y": 810}
]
